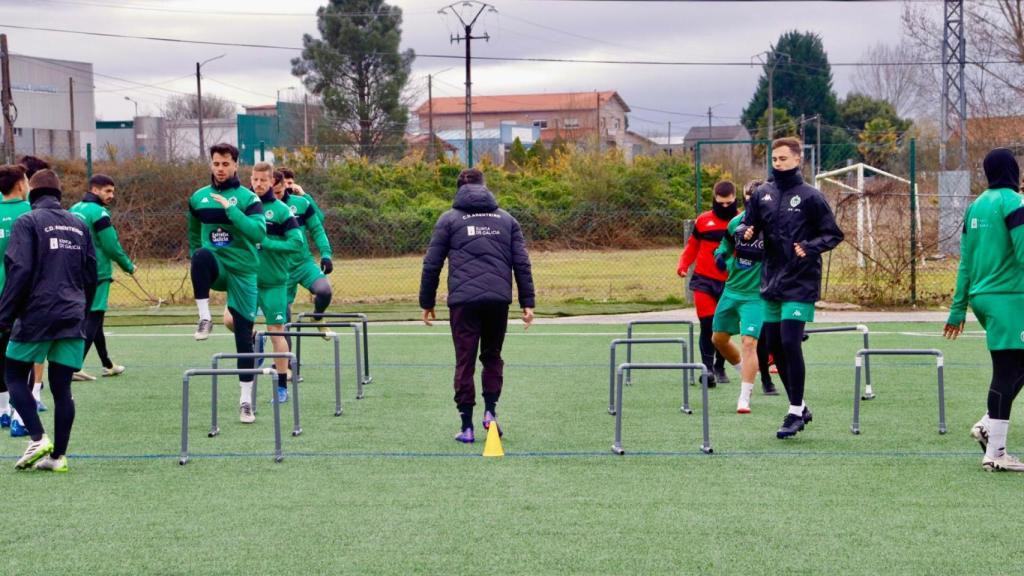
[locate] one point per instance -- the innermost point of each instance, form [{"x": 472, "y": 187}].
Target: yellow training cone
[{"x": 492, "y": 447}]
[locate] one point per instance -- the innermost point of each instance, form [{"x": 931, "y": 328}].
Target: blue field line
[
  {"x": 595, "y": 365},
  {"x": 531, "y": 454}
]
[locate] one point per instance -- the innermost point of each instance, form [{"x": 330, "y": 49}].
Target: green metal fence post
[
  {"x": 88, "y": 161},
  {"x": 696, "y": 166},
  {"x": 913, "y": 221},
  {"x": 263, "y": 151}
]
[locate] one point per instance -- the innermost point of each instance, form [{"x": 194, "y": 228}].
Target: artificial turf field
[{"x": 384, "y": 489}]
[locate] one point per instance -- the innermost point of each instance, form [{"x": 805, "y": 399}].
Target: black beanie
[
  {"x": 44, "y": 183},
  {"x": 1002, "y": 170}
]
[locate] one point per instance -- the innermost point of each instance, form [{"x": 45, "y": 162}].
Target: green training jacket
[
  {"x": 232, "y": 233},
  {"x": 283, "y": 242},
  {"x": 104, "y": 237}
]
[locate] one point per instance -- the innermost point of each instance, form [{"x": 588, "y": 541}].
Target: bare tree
[
  {"x": 186, "y": 107},
  {"x": 895, "y": 76}
]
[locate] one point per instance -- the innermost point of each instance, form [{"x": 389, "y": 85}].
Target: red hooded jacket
[{"x": 708, "y": 231}]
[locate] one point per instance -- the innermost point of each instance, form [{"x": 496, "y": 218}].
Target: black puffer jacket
[
  {"x": 51, "y": 273},
  {"x": 484, "y": 247},
  {"x": 790, "y": 212}
]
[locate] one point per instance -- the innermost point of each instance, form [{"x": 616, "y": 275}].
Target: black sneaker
[
  {"x": 712, "y": 382},
  {"x": 790, "y": 426},
  {"x": 720, "y": 376},
  {"x": 769, "y": 389},
  {"x": 203, "y": 329},
  {"x": 807, "y": 417}
]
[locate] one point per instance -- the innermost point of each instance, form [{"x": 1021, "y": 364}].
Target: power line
[{"x": 214, "y": 12}]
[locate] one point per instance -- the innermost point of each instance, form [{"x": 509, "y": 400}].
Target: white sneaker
[
  {"x": 82, "y": 376},
  {"x": 116, "y": 370},
  {"x": 1006, "y": 462},
  {"x": 743, "y": 405},
  {"x": 34, "y": 452},
  {"x": 245, "y": 414},
  {"x": 980, "y": 433},
  {"x": 203, "y": 330}
]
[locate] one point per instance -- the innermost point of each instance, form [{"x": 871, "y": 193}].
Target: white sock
[
  {"x": 204, "y": 309},
  {"x": 246, "y": 397},
  {"x": 5, "y": 402},
  {"x": 796, "y": 410},
  {"x": 997, "y": 430},
  {"x": 37, "y": 390},
  {"x": 746, "y": 389}
]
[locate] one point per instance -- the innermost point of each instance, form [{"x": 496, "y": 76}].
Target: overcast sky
[{"x": 670, "y": 31}]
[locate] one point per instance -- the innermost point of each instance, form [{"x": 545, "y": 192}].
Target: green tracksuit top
[
  {"x": 310, "y": 220},
  {"x": 104, "y": 237},
  {"x": 284, "y": 241},
  {"x": 744, "y": 273},
  {"x": 991, "y": 250},
  {"x": 9, "y": 212},
  {"x": 232, "y": 233}
]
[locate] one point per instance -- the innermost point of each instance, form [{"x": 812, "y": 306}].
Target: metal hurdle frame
[
  {"x": 295, "y": 328},
  {"x": 193, "y": 372},
  {"x": 336, "y": 338},
  {"x": 629, "y": 335},
  {"x": 214, "y": 428},
  {"x": 686, "y": 366},
  {"x": 629, "y": 342},
  {"x": 862, "y": 355},
  {"x": 363, "y": 319},
  {"x": 869, "y": 393}
]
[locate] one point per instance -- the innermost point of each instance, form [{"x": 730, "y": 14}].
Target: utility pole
[
  {"x": 72, "y": 154},
  {"x": 468, "y": 31},
  {"x": 305, "y": 119},
  {"x": 432, "y": 154},
  {"x": 199, "y": 103},
  {"x": 597, "y": 119},
  {"x": 6, "y": 101},
  {"x": 709, "y": 122},
  {"x": 771, "y": 59},
  {"x": 817, "y": 131},
  {"x": 669, "y": 138},
  {"x": 803, "y": 131}
]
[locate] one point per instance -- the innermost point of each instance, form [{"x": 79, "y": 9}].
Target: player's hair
[
  {"x": 724, "y": 189},
  {"x": 224, "y": 148},
  {"x": 287, "y": 173},
  {"x": 33, "y": 164},
  {"x": 470, "y": 176},
  {"x": 278, "y": 177},
  {"x": 100, "y": 181},
  {"x": 10, "y": 175},
  {"x": 751, "y": 187},
  {"x": 794, "y": 144},
  {"x": 263, "y": 167}
]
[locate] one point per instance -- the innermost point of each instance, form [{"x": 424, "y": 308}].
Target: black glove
[
  {"x": 326, "y": 266},
  {"x": 721, "y": 262}
]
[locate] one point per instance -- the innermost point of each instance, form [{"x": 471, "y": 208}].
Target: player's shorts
[
  {"x": 775, "y": 311},
  {"x": 305, "y": 275},
  {"x": 705, "y": 303},
  {"x": 99, "y": 301},
  {"x": 273, "y": 303},
  {"x": 67, "y": 351},
  {"x": 739, "y": 314},
  {"x": 241, "y": 288},
  {"x": 1000, "y": 317}
]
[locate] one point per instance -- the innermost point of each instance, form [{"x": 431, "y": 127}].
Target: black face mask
[{"x": 725, "y": 211}]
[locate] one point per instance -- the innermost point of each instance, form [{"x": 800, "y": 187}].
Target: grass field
[
  {"x": 385, "y": 490},
  {"x": 601, "y": 280}
]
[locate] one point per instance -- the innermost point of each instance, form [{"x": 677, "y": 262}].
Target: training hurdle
[
  {"x": 862, "y": 355},
  {"x": 629, "y": 342},
  {"x": 296, "y": 329},
  {"x": 629, "y": 335},
  {"x": 686, "y": 366},
  {"x": 296, "y": 426},
  {"x": 193, "y": 372},
  {"x": 367, "y": 378},
  {"x": 336, "y": 339},
  {"x": 869, "y": 393}
]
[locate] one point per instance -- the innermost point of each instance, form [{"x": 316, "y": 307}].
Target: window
[
  {"x": 617, "y": 123},
  {"x": 18, "y": 132},
  {"x": 542, "y": 124},
  {"x": 571, "y": 123}
]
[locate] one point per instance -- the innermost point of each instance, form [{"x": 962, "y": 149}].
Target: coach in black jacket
[
  {"x": 51, "y": 280},
  {"x": 798, "y": 228},
  {"x": 484, "y": 247}
]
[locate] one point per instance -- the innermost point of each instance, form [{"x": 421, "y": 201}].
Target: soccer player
[
  {"x": 991, "y": 280},
  {"x": 798, "y": 227},
  {"x": 93, "y": 210},
  {"x": 284, "y": 240},
  {"x": 32, "y": 165},
  {"x": 51, "y": 277},
  {"x": 740, "y": 309},
  {"x": 484, "y": 246},
  {"x": 225, "y": 225},
  {"x": 304, "y": 270},
  {"x": 707, "y": 281},
  {"x": 14, "y": 186}
]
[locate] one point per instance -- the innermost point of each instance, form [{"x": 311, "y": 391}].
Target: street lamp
[
  {"x": 199, "y": 101},
  {"x": 136, "y": 105}
]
